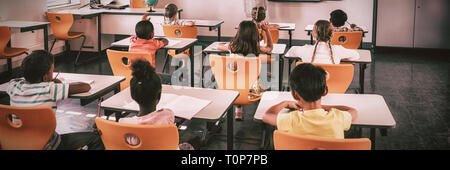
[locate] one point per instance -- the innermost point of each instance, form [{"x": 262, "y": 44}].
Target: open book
[{"x": 182, "y": 106}]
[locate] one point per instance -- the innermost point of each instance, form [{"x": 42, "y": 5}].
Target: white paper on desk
[
  {"x": 182, "y": 106},
  {"x": 68, "y": 81},
  {"x": 173, "y": 42}
]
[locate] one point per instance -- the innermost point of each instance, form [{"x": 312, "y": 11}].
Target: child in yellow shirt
[{"x": 308, "y": 84}]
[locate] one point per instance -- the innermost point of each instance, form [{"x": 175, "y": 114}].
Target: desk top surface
[
  {"x": 174, "y": 43},
  {"x": 277, "y": 48},
  {"x": 372, "y": 109},
  {"x": 221, "y": 100},
  {"x": 136, "y": 11},
  {"x": 311, "y": 27},
  {"x": 283, "y": 26},
  {"x": 365, "y": 56},
  {"x": 99, "y": 82},
  {"x": 22, "y": 24}
]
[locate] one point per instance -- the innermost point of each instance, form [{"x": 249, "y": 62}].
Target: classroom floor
[{"x": 415, "y": 85}]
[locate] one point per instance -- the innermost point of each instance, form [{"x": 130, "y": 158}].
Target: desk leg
[
  {"x": 373, "y": 133},
  {"x": 280, "y": 73},
  {"x": 230, "y": 133},
  {"x": 99, "y": 32},
  {"x": 219, "y": 34},
  {"x": 362, "y": 69},
  {"x": 192, "y": 58},
  {"x": 46, "y": 38},
  {"x": 290, "y": 38}
]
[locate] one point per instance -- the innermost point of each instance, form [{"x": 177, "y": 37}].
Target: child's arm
[
  {"x": 145, "y": 18},
  {"x": 165, "y": 41},
  {"x": 78, "y": 87},
  {"x": 350, "y": 110},
  {"x": 269, "y": 46},
  {"x": 224, "y": 47},
  {"x": 270, "y": 117}
]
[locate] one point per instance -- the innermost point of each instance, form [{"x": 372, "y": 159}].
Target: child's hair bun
[{"x": 142, "y": 70}]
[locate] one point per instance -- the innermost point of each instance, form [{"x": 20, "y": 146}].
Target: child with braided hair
[{"x": 323, "y": 52}]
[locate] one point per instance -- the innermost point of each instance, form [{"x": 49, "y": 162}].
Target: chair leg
[
  {"x": 9, "y": 60},
  {"x": 81, "y": 47},
  {"x": 53, "y": 44},
  {"x": 166, "y": 61}
]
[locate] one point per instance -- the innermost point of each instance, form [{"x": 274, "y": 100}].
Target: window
[{"x": 61, "y": 3}]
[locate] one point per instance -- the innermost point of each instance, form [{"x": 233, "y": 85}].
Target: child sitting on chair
[
  {"x": 339, "y": 18},
  {"x": 310, "y": 117},
  {"x": 146, "y": 88},
  {"x": 144, "y": 41},
  {"x": 171, "y": 16},
  {"x": 246, "y": 42},
  {"x": 323, "y": 52},
  {"x": 39, "y": 88}
]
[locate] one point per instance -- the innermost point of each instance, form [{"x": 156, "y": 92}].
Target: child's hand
[
  {"x": 146, "y": 17},
  {"x": 292, "y": 105},
  {"x": 57, "y": 81},
  {"x": 265, "y": 25}
]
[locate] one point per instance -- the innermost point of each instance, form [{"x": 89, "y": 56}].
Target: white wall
[{"x": 232, "y": 12}]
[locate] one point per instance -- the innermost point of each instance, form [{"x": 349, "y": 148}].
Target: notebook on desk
[{"x": 182, "y": 106}]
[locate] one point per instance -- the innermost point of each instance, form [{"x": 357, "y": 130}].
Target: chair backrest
[
  {"x": 349, "y": 40},
  {"x": 138, "y": 4},
  {"x": 274, "y": 33},
  {"x": 241, "y": 79},
  {"x": 5, "y": 36},
  {"x": 119, "y": 68},
  {"x": 61, "y": 24},
  {"x": 286, "y": 141},
  {"x": 339, "y": 77},
  {"x": 37, "y": 126},
  {"x": 178, "y": 31},
  {"x": 151, "y": 137}
]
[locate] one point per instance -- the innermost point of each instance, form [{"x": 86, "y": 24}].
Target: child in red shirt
[{"x": 144, "y": 41}]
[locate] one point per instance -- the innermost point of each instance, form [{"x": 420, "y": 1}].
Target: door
[{"x": 432, "y": 24}]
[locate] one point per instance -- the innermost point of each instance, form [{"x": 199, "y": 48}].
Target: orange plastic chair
[
  {"x": 349, "y": 40},
  {"x": 6, "y": 52},
  {"x": 274, "y": 34},
  {"x": 178, "y": 31},
  {"x": 138, "y": 4},
  {"x": 119, "y": 68},
  {"x": 340, "y": 76},
  {"x": 38, "y": 125},
  {"x": 61, "y": 24},
  {"x": 241, "y": 80},
  {"x": 286, "y": 141},
  {"x": 151, "y": 137}
]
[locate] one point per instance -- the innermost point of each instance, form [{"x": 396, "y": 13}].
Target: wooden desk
[
  {"x": 184, "y": 44},
  {"x": 26, "y": 26},
  {"x": 373, "y": 111},
  {"x": 309, "y": 29},
  {"x": 102, "y": 85},
  {"x": 365, "y": 57},
  {"x": 222, "y": 101},
  {"x": 278, "y": 51}
]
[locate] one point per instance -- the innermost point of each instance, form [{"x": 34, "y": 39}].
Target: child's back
[
  {"x": 323, "y": 52},
  {"x": 144, "y": 41},
  {"x": 308, "y": 84}
]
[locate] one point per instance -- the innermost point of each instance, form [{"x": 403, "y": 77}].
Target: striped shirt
[{"x": 23, "y": 94}]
